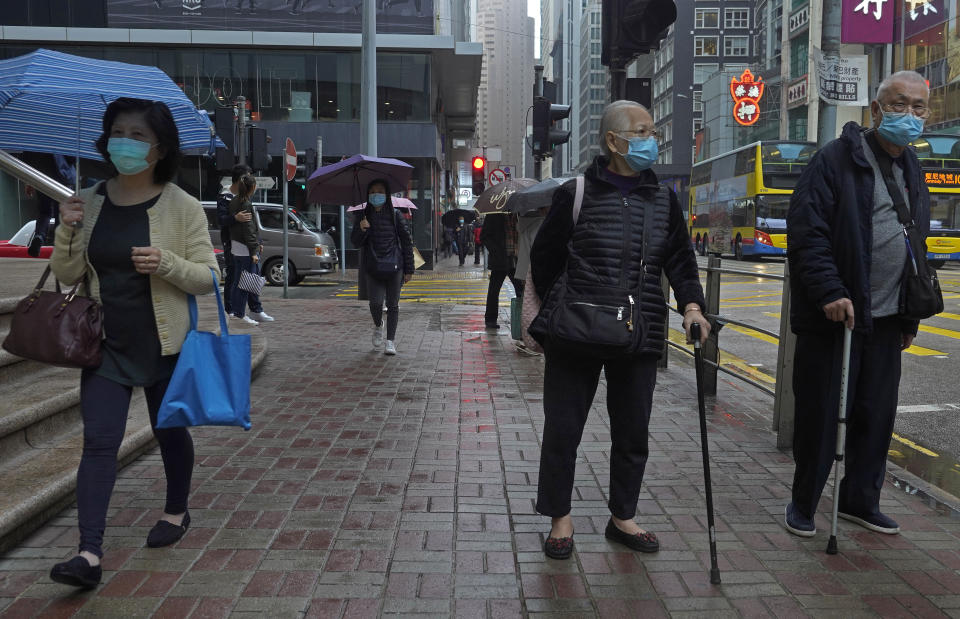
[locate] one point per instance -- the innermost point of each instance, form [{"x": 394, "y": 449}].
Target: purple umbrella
[{"x": 345, "y": 182}]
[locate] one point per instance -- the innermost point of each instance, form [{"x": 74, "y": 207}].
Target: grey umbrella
[{"x": 538, "y": 196}]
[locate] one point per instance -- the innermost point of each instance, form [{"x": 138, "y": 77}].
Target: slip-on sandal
[
  {"x": 558, "y": 547},
  {"x": 166, "y": 533},
  {"x": 642, "y": 542}
]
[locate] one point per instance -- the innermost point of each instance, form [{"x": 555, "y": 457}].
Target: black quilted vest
[{"x": 606, "y": 250}]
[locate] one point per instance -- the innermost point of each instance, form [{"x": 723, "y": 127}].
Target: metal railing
[{"x": 782, "y": 392}]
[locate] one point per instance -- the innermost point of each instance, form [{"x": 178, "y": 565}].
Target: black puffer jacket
[
  {"x": 593, "y": 252},
  {"x": 830, "y": 224},
  {"x": 382, "y": 236}
]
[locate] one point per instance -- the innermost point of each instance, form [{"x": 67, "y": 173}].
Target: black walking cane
[
  {"x": 841, "y": 438},
  {"x": 698, "y": 362}
]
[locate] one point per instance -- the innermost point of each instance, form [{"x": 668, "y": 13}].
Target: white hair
[
  {"x": 615, "y": 119},
  {"x": 900, "y": 76}
]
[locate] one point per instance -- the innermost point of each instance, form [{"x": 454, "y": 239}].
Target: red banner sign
[{"x": 747, "y": 92}]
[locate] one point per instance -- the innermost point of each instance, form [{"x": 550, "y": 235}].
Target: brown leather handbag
[{"x": 58, "y": 328}]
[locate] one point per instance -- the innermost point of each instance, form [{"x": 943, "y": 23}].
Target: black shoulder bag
[
  {"x": 920, "y": 295},
  {"x": 603, "y": 321}
]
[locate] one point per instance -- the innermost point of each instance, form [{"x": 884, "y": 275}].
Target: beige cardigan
[{"x": 178, "y": 227}]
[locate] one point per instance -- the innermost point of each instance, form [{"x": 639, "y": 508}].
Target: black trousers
[
  {"x": 493, "y": 293},
  {"x": 385, "y": 291},
  {"x": 104, "y": 405},
  {"x": 872, "y": 392},
  {"x": 477, "y": 250},
  {"x": 569, "y": 384}
]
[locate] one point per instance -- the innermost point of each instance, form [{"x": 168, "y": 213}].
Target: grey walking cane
[
  {"x": 841, "y": 438},
  {"x": 698, "y": 362}
]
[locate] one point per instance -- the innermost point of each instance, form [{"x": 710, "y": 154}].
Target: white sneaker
[
  {"x": 262, "y": 316},
  {"x": 390, "y": 348},
  {"x": 246, "y": 319},
  {"x": 377, "y": 337}
]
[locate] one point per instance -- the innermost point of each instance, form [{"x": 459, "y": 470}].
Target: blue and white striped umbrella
[{"x": 51, "y": 102}]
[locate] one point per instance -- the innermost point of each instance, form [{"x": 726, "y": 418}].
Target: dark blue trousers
[
  {"x": 872, "y": 392},
  {"x": 104, "y": 405},
  {"x": 230, "y": 282}
]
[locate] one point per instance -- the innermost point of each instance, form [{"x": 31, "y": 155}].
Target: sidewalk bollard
[
  {"x": 711, "y": 348},
  {"x": 783, "y": 404}
]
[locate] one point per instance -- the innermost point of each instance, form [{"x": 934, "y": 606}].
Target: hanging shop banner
[
  {"x": 842, "y": 80},
  {"x": 747, "y": 92},
  {"x": 922, "y": 15},
  {"x": 393, "y": 16},
  {"x": 867, "y": 21},
  {"x": 797, "y": 93}
]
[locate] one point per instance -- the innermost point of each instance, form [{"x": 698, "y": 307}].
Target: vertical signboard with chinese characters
[
  {"x": 923, "y": 15},
  {"x": 747, "y": 92},
  {"x": 867, "y": 21},
  {"x": 842, "y": 80}
]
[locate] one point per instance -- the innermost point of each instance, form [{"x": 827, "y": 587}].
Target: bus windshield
[
  {"x": 938, "y": 147},
  {"x": 782, "y": 162},
  {"x": 944, "y": 212},
  {"x": 772, "y": 213}
]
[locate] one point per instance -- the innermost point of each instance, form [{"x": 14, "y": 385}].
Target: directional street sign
[
  {"x": 290, "y": 159},
  {"x": 266, "y": 182},
  {"x": 497, "y": 176}
]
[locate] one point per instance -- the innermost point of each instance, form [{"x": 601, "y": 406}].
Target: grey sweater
[{"x": 889, "y": 250}]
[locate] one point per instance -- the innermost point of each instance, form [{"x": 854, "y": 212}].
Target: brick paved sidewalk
[{"x": 378, "y": 486}]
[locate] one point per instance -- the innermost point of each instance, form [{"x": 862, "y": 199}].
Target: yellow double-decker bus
[
  {"x": 939, "y": 156},
  {"x": 739, "y": 200}
]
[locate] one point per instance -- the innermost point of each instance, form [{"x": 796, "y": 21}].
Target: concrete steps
[{"x": 41, "y": 431}]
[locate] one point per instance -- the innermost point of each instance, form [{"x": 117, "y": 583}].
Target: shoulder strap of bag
[
  {"x": 192, "y": 302},
  {"x": 578, "y": 199},
  {"x": 886, "y": 168}
]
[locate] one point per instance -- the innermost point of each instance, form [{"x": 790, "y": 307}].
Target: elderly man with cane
[{"x": 847, "y": 259}]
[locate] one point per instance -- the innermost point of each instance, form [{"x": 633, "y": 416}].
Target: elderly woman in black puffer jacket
[
  {"x": 387, "y": 259},
  {"x": 603, "y": 309}
]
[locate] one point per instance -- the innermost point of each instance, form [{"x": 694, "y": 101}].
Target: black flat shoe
[
  {"x": 77, "y": 572},
  {"x": 165, "y": 533},
  {"x": 642, "y": 542},
  {"x": 558, "y": 547}
]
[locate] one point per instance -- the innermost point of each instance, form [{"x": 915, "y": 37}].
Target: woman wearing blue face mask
[
  {"x": 606, "y": 260},
  {"x": 388, "y": 260},
  {"x": 142, "y": 244}
]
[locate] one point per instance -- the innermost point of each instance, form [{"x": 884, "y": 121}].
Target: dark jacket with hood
[
  {"x": 382, "y": 236},
  {"x": 493, "y": 235},
  {"x": 592, "y": 252},
  {"x": 830, "y": 231}
]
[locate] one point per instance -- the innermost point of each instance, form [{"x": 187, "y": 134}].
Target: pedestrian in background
[
  {"x": 499, "y": 236},
  {"x": 245, "y": 247},
  {"x": 144, "y": 246},
  {"x": 847, "y": 258},
  {"x": 588, "y": 260},
  {"x": 225, "y": 219},
  {"x": 477, "y": 244},
  {"x": 463, "y": 238},
  {"x": 382, "y": 238}
]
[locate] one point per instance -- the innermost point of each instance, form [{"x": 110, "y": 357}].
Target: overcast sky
[{"x": 533, "y": 10}]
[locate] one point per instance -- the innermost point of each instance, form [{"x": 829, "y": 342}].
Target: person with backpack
[
  {"x": 388, "y": 260},
  {"x": 596, "y": 264}
]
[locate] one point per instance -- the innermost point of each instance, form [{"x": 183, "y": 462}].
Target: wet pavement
[{"x": 379, "y": 486}]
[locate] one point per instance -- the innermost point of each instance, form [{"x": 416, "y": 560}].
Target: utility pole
[
  {"x": 242, "y": 130},
  {"x": 830, "y": 46},
  {"x": 368, "y": 80}
]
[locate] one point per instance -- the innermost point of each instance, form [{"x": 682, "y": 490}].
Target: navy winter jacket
[
  {"x": 592, "y": 253},
  {"x": 830, "y": 232},
  {"x": 385, "y": 231}
]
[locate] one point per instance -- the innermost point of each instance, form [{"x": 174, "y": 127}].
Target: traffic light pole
[
  {"x": 618, "y": 80},
  {"x": 242, "y": 130},
  {"x": 537, "y": 92}
]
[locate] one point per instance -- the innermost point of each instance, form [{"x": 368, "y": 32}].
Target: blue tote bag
[{"x": 211, "y": 384}]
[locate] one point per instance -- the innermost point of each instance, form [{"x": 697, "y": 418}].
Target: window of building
[
  {"x": 736, "y": 18},
  {"x": 702, "y": 71},
  {"x": 707, "y": 18},
  {"x": 736, "y": 46},
  {"x": 735, "y": 67},
  {"x": 705, "y": 46},
  {"x": 666, "y": 155},
  {"x": 697, "y": 125},
  {"x": 697, "y": 100},
  {"x": 799, "y": 61}
]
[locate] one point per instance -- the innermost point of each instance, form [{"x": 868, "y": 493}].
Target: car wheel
[
  {"x": 273, "y": 271},
  {"x": 936, "y": 264},
  {"x": 738, "y": 249}
]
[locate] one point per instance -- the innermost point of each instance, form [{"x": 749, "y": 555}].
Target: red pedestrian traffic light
[{"x": 479, "y": 166}]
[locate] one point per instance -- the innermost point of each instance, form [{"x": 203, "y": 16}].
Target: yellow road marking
[
  {"x": 753, "y": 296},
  {"x": 915, "y": 447},
  {"x": 760, "y": 336},
  {"x": 941, "y": 332},
  {"x": 948, "y": 316},
  {"x": 772, "y": 314},
  {"x": 920, "y": 351},
  {"x": 727, "y": 360}
]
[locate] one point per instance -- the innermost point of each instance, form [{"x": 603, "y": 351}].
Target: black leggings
[
  {"x": 104, "y": 405},
  {"x": 385, "y": 290}
]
